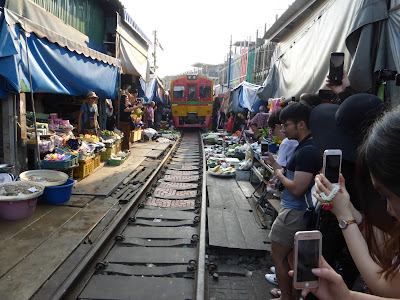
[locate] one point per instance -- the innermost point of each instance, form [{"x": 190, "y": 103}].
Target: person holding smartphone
[
  {"x": 376, "y": 251},
  {"x": 342, "y": 91},
  {"x": 304, "y": 164}
]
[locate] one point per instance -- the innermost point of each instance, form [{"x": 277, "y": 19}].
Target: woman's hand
[
  {"x": 341, "y": 205},
  {"x": 331, "y": 285}
]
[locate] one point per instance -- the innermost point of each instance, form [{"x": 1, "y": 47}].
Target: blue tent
[
  {"x": 53, "y": 69},
  {"x": 245, "y": 97},
  {"x": 150, "y": 91}
]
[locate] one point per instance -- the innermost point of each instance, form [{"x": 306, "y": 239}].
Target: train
[{"x": 192, "y": 101}]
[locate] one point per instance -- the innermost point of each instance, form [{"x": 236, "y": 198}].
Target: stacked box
[{"x": 85, "y": 168}]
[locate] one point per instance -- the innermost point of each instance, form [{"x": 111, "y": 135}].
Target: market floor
[{"x": 33, "y": 248}]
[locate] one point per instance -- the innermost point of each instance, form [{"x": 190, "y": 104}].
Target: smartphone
[
  {"x": 307, "y": 256},
  {"x": 385, "y": 75},
  {"x": 336, "y": 68},
  {"x": 333, "y": 165},
  {"x": 264, "y": 150},
  {"x": 326, "y": 94},
  {"x": 397, "y": 77}
]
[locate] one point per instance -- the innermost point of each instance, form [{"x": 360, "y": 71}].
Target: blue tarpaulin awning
[
  {"x": 53, "y": 68},
  {"x": 245, "y": 97},
  {"x": 152, "y": 91}
]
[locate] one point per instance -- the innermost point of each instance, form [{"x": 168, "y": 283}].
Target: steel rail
[
  {"x": 104, "y": 238},
  {"x": 200, "y": 285}
]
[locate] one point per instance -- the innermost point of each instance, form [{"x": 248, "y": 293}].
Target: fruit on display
[
  {"x": 56, "y": 157},
  {"x": 220, "y": 170},
  {"x": 90, "y": 138},
  {"x": 107, "y": 133}
]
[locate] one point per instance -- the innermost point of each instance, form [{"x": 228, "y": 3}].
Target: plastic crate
[
  {"x": 85, "y": 168},
  {"x": 105, "y": 155},
  {"x": 109, "y": 145},
  {"x": 96, "y": 161},
  {"x": 117, "y": 162},
  {"x": 74, "y": 160},
  {"x": 56, "y": 164},
  {"x": 138, "y": 134}
]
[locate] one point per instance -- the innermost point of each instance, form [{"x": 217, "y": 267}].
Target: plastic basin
[
  {"x": 60, "y": 193},
  {"x": 45, "y": 177},
  {"x": 20, "y": 206}
]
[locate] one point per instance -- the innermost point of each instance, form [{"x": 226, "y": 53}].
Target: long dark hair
[{"x": 379, "y": 156}]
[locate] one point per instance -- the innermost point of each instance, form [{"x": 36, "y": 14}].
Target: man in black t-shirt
[{"x": 302, "y": 167}]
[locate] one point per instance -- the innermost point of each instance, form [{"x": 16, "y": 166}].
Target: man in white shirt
[{"x": 287, "y": 146}]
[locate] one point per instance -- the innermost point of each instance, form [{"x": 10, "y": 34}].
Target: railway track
[{"x": 155, "y": 247}]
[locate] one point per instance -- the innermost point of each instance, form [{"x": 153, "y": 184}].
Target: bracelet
[
  {"x": 327, "y": 199},
  {"x": 333, "y": 193}
]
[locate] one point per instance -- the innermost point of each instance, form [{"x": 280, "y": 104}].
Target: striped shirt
[{"x": 261, "y": 119}]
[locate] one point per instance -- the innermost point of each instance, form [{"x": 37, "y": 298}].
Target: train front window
[
  {"x": 205, "y": 91},
  {"x": 179, "y": 91},
  {"x": 192, "y": 92}
]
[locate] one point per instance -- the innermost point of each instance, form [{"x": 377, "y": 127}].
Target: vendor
[
  {"x": 256, "y": 133},
  {"x": 87, "y": 119},
  {"x": 128, "y": 105},
  {"x": 150, "y": 115}
]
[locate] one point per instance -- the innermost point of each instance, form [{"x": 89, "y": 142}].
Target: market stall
[
  {"x": 226, "y": 154},
  {"x": 77, "y": 155}
]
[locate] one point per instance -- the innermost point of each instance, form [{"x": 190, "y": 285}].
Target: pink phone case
[{"x": 308, "y": 259}]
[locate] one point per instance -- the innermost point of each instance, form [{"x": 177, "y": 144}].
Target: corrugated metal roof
[{"x": 288, "y": 19}]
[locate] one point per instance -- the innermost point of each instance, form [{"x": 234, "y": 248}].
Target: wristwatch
[{"x": 343, "y": 223}]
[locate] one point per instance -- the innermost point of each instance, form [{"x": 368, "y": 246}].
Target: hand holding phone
[
  {"x": 332, "y": 165},
  {"x": 264, "y": 150},
  {"x": 336, "y": 64},
  {"x": 307, "y": 256}
]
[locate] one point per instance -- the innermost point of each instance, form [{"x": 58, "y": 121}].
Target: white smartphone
[
  {"x": 333, "y": 165},
  {"x": 264, "y": 150},
  {"x": 307, "y": 256}
]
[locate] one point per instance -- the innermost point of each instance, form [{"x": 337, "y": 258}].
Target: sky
[{"x": 200, "y": 31}]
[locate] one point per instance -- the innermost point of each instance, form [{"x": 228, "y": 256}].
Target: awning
[
  {"x": 131, "y": 52},
  {"x": 54, "y": 66},
  {"x": 44, "y": 24}
]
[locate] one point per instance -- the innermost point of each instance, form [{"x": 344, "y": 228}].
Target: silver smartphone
[{"x": 307, "y": 256}]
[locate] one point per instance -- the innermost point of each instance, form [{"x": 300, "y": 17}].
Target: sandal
[{"x": 276, "y": 293}]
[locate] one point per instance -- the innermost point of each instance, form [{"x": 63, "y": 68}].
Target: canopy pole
[{"x": 38, "y": 164}]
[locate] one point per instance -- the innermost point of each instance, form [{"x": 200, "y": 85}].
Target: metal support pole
[
  {"x": 38, "y": 164},
  {"x": 155, "y": 49},
  {"x": 229, "y": 64}
]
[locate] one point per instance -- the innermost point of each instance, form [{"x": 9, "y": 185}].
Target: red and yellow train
[{"x": 192, "y": 101}]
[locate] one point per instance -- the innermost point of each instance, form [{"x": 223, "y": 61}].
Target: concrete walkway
[{"x": 33, "y": 248}]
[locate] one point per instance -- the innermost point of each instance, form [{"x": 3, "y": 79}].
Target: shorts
[{"x": 286, "y": 224}]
